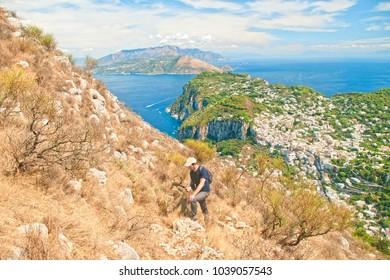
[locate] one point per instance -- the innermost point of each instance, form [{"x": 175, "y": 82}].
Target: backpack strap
[{"x": 208, "y": 175}]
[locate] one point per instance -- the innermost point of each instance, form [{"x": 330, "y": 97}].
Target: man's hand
[{"x": 191, "y": 197}]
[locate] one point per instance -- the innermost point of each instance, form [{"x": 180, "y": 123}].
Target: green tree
[{"x": 90, "y": 63}]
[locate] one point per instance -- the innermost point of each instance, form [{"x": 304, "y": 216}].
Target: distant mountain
[
  {"x": 160, "y": 60},
  {"x": 157, "y": 52},
  {"x": 159, "y": 65}
]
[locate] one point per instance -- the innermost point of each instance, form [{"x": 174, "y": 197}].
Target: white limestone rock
[
  {"x": 65, "y": 243},
  {"x": 35, "y": 228},
  {"x": 24, "y": 64},
  {"x": 99, "y": 175},
  {"x": 125, "y": 251},
  {"x": 127, "y": 196},
  {"x": 76, "y": 184}
]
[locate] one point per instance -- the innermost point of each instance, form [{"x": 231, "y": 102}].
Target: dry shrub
[
  {"x": 14, "y": 83},
  {"x": 202, "y": 151},
  {"x": 249, "y": 246},
  {"x": 142, "y": 192},
  {"x": 53, "y": 177},
  {"x": 5, "y": 55},
  {"x": 176, "y": 173},
  {"x": 310, "y": 215},
  {"x": 35, "y": 247},
  {"x": 299, "y": 214},
  {"x": 231, "y": 177},
  {"x": 44, "y": 139}
]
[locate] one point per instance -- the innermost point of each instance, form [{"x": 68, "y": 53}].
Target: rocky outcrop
[
  {"x": 217, "y": 130},
  {"x": 188, "y": 65},
  {"x": 186, "y": 104}
]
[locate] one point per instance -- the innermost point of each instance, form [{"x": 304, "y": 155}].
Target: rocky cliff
[
  {"x": 208, "y": 112},
  {"x": 217, "y": 130}
]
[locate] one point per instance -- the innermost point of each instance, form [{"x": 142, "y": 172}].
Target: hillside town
[{"x": 304, "y": 127}]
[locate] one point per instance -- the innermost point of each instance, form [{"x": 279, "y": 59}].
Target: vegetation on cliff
[{"x": 340, "y": 142}]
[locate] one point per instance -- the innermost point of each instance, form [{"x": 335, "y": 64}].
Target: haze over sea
[{"x": 150, "y": 95}]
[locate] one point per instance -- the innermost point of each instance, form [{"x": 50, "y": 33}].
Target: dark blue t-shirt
[{"x": 197, "y": 175}]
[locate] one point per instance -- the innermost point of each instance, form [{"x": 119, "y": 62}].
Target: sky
[{"x": 262, "y": 28}]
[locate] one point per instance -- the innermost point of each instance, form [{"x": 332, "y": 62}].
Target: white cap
[{"x": 190, "y": 161}]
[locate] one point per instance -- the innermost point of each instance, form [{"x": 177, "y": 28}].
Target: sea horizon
[{"x": 150, "y": 95}]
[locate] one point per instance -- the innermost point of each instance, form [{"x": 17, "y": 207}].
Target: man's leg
[
  {"x": 201, "y": 198},
  {"x": 194, "y": 209}
]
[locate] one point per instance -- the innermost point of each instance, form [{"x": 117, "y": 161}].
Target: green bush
[
  {"x": 232, "y": 147},
  {"x": 36, "y": 33},
  {"x": 202, "y": 151},
  {"x": 33, "y": 31},
  {"x": 48, "y": 41}
]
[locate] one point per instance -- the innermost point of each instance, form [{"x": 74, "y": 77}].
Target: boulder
[
  {"x": 125, "y": 251},
  {"x": 187, "y": 227},
  {"x": 209, "y": 253},
  {"x": 99, "y": 175},
  {"x": 35, "y": 228},
  {"x": 65, "y": 243},
  {"x": 127, "y": 196},
  {"x": 76, "y": 184},
  {"x": 120, "y": 156},
  {"x": 98, "y": 101},
  {"x": 24, "y": 64},
  {"x": 344, "y": 243}
]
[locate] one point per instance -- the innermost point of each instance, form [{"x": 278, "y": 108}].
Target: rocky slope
[{"x": 82, "y": 177}]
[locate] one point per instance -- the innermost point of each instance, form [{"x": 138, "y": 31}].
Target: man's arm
[{"x": 198, "y": 188}]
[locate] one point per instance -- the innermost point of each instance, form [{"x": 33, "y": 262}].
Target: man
[{"x": 200, "y": 187}]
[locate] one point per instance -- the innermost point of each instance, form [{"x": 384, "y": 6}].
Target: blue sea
[{"x": 150, "y": 95}]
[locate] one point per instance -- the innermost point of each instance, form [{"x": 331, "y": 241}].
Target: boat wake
[{"x": 161, "y": 101}]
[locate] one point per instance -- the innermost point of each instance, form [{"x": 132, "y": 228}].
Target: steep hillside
[
  {"x": 160, "y": 65},
  {"x": 82, "y": 177}
]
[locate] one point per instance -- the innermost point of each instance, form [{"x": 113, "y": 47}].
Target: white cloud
[
  {"x": 333, "y": 6},
  {"x": 288, "y": 7},
  {"x": 383, "y": 6},
  {"x": 281, "y": 7},
  {"x": 374, "y": 27},
  {"x": 319, "y": 23},
  {"x": 300, "y": 15},
  {"x": 378, "y": 18},
  {"x": 373, "y": 44},
  {"x": 212, "y": 4}
]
